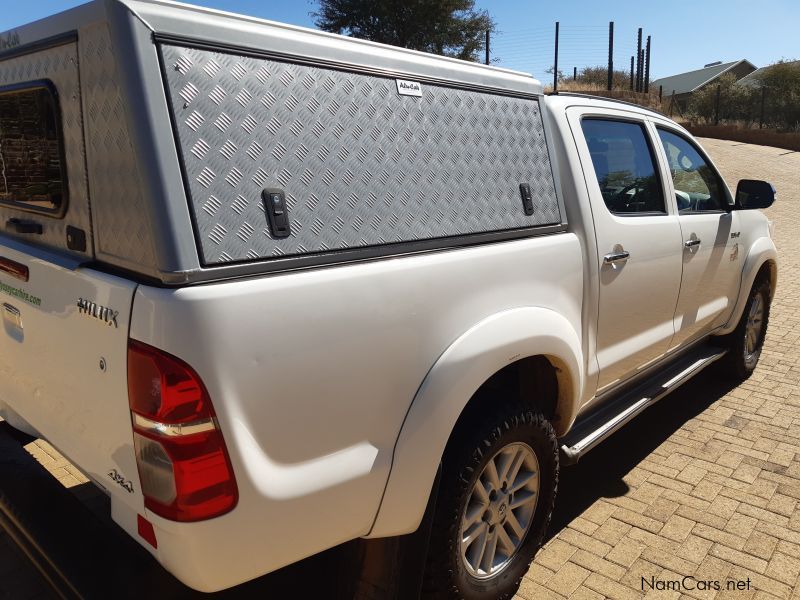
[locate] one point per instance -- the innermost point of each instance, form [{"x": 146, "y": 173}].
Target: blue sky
[{"x": 686, "y": 33}]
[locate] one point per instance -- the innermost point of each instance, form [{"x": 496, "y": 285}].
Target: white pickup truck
[{"x": 271, "y": 288}]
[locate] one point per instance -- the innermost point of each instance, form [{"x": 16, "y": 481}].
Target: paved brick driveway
[{"x": 705, "y": 484}]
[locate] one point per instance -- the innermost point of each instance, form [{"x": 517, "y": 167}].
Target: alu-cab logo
[{"x": 409, "y": 88}]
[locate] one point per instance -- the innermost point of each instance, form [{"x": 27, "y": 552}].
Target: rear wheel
[
  {"x": 747, "y": 340},
  {"x": 496, "y": 497}
]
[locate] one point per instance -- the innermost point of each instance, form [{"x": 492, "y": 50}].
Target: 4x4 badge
[
  {"x": 119, "y": 479},
  {"x": 101, "y": 313}
]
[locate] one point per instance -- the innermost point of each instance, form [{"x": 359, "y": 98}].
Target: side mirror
[{"x": 751, "y": 193}]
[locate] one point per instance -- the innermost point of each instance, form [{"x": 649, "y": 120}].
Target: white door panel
[
  {"x": 637, "y": 297},
  {"x": 637, "y": 293},
  {"x": 711, "y": 261},
  {"x": 711, "y": 274}
]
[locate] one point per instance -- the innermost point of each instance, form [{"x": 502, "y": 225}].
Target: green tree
[
  {"x": 598, "y": 77},
  {"x": 561, "y": 76},
  {"x": 736, "y": 102},
  {"x": 782, "y": 94},
  {"x": 447, "y": 27}
]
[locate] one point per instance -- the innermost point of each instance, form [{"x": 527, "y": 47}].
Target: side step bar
[{"x": 598, "y": 425}]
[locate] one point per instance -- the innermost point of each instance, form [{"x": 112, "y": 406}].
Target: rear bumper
[{"x": 83, "y": 554}]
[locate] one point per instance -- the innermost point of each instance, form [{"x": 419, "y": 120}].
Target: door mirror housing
[{"x": 752, "y": 193}]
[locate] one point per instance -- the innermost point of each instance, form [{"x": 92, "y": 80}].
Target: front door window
[{"x": 697, "y": 187}]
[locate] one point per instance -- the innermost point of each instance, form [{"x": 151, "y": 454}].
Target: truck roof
[
  {"x": 214, "y": 28},
  {"x": 565, "y": 98}
]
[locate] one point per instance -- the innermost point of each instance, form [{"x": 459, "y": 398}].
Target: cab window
[
  {"x": 32, "y": 173},
  {"x": 698, "y": 188},
  {"x": 625, "y": 167}
]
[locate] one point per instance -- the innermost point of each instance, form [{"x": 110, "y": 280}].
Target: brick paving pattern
[{"x": 706, "y": 483}]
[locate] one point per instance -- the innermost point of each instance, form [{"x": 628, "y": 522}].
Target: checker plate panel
[{"x": 361, "y": 165}]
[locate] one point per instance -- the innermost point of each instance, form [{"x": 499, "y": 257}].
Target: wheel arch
[
  {"x": 501, "y": 344},
  {"x": 762, "y": 259}
]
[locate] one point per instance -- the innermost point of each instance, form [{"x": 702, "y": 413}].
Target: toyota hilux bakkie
[{"x": 270, "y": 287}]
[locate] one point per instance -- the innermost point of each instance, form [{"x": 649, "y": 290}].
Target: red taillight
[
  {"x": 13, "y": 268},
  {"x": 184, "y": 467},
  {"x": 163, "y": 388}
]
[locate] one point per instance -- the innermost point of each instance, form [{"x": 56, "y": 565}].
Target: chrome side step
[{"x": 598, "y": 425}]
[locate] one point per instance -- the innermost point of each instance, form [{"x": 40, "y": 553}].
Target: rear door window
[
  {"x": 625, "y": 167},
  {"x": 32, "y": 173}
]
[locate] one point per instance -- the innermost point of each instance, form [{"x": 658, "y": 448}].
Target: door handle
[
  {"x": 12, "y": 315},
  {"x": 21, "y": 226},
  {"x": 691, "y": 243},
  {"x": 615, "y": 257}
]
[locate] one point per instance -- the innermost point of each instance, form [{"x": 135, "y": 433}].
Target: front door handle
[
  {"x": 615, "y": 257},
  {"x": 691, "y": 243}
]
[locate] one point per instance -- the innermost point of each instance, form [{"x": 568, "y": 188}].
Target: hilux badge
[{"x": 101, "y": 313}]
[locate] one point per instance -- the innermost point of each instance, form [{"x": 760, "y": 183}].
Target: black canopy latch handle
[{"x": 20, "y": 226}]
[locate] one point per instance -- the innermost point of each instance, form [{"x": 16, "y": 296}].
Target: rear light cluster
[{"x": 184, "y": 468}]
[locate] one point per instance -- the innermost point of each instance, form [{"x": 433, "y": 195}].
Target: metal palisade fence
[{"x": 583, "y": 58}]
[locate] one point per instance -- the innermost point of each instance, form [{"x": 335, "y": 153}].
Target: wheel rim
[
  {"x": 499, "y": 511},
  {"x": 753, "y": 331}
]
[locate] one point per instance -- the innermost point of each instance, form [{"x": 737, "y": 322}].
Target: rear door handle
[
  {"x": 691, "y": 243},
  {"x": 615, "y": 257}
]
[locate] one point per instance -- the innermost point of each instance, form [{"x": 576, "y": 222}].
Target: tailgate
[{"x": 63, "y": 353}]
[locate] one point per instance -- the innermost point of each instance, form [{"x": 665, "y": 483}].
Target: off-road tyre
[
  {"x": 468, "y": 452},
  {"x": 738, "y": 363}
]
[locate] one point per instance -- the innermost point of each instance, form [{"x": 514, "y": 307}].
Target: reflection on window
[
  {"x": 697, "y": 186},
  {"x": 624, "y": 166},
  {"x": 31, "y": 170}
]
